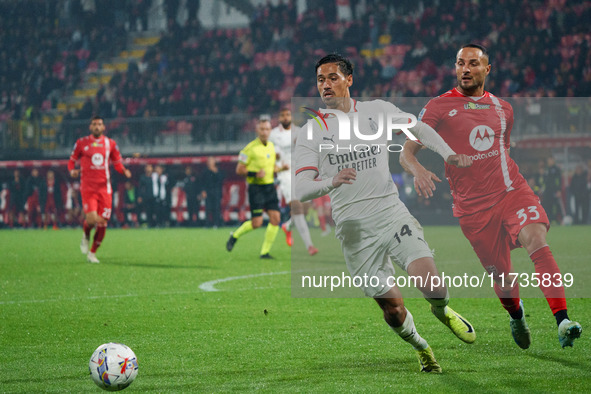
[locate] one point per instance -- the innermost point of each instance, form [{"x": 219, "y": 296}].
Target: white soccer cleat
[
  {"x": 84, "y": 245},
  {"x": 327, "y": 231},
  {"x": 568, "y": 331},
  {"x": 91, "y": 258}
]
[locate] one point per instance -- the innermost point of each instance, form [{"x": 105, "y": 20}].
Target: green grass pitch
[{"x": 251, "y": 334}]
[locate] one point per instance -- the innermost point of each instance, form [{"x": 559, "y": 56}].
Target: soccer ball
[{"x": 113, "y": 366}]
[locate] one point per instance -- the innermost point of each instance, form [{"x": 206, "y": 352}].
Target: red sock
[
  {"x": 99, "y": 234},
  {"x": 546, "y": 267},
  {"x": 87, "y": 227},
  {"x": 322, "y": 221},
  {"x": 509, "y": 300}
]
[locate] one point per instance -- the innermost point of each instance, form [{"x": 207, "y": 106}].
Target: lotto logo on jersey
[
  {"x": 482, "y": 138},
  {"x": 97, "y": 159}
]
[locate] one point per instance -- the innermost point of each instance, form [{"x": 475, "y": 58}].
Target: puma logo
[{"x": 328, "y": 139}]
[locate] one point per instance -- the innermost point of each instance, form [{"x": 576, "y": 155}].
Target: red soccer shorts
[
  {"x": 493, "y": 233},
  {"x": 99, "y": 201}
]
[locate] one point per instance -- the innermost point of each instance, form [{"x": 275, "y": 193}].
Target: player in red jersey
[
  {"x": 95, "y": 153},
  {"x": 497, "y": 209}
]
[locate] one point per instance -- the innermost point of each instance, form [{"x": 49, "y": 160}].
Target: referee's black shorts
[{"x": 262, "y": 197}]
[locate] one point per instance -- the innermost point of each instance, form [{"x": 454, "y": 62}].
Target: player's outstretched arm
[
  {"x": 74, "y": 173},
  {"x": 423, "y": 178},
  {"x": 428, "y": 137},
  {"x": 308, "y": 188},
  {"x": 460, "y": 161}
]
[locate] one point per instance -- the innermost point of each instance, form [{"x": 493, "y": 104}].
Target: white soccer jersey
[
  {"x": 373, "y": 190},
  {"x": 284, "y": 141}
]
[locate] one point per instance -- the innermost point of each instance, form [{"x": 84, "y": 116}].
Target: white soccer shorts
[{"x": 371, "y": 244}]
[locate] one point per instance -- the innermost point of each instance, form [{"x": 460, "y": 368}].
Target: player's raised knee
[{"x": 533, "y": 237}]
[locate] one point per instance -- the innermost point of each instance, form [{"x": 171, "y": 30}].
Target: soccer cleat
[
  {"x": 427, "y": 362},
  {"x": 267, "y": 256},
  {"x": 84, "y": 245},
  {"x": 91, "y": 258},
  {"x": 520, "y": 330},
  {"x": 231, "y": 242},
  {"x": 326, "y": 231},
  {"x": 568, "y": 331},
  {"x": 456, "y": 323},
  {"x": 288, "y": 238},
  {"x": 312, "y": 250}
]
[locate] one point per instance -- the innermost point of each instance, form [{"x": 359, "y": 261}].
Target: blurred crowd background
[{"x": 188, "y": 78}]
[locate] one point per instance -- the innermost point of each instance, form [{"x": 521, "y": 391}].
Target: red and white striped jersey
[
  {"x": 479, "y": 127},
  {"x": 95, "y": 155}
]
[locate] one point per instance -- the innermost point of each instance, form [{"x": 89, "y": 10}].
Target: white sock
[
  {"x": 408, "y": 332},
  {"x": 439, "y": 304},
  {"x": 302, "y": 226}
]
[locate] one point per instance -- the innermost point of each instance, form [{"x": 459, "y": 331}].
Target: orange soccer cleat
[{"x": 288, "y": 238}]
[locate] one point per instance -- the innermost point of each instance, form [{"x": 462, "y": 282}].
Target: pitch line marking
[
  {"x": 209, "y": 286},
  {"x": 206, "y": 286}
]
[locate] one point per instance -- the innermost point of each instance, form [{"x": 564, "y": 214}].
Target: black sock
[
  {"x": 517, "y": 315},
  {"x": 560, "y": 316}
]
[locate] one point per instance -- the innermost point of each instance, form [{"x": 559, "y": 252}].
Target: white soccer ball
[
  {"x": 567, "y": 220},
  {"x": 113, "y": 366}
]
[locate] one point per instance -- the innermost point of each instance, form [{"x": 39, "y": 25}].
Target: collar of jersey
[
  {"x": 351, "y": 110},
  {"x": 475, "y": 98}
]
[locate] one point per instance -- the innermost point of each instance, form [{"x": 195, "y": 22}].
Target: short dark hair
[
  {"x": 477, "y": 46},
  {"x": 344, "y": 64},
  {"x": 96, "y": 117}
]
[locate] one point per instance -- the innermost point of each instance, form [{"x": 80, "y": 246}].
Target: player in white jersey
[
  {"x": 284, "y": 139},
  {"x": 373, "y": 225}
]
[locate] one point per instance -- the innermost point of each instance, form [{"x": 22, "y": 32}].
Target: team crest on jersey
[
  {"x": 482, "y": 138},
  {"x": 97, "y": 159},
  {"x": 476, "y": 106}
]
